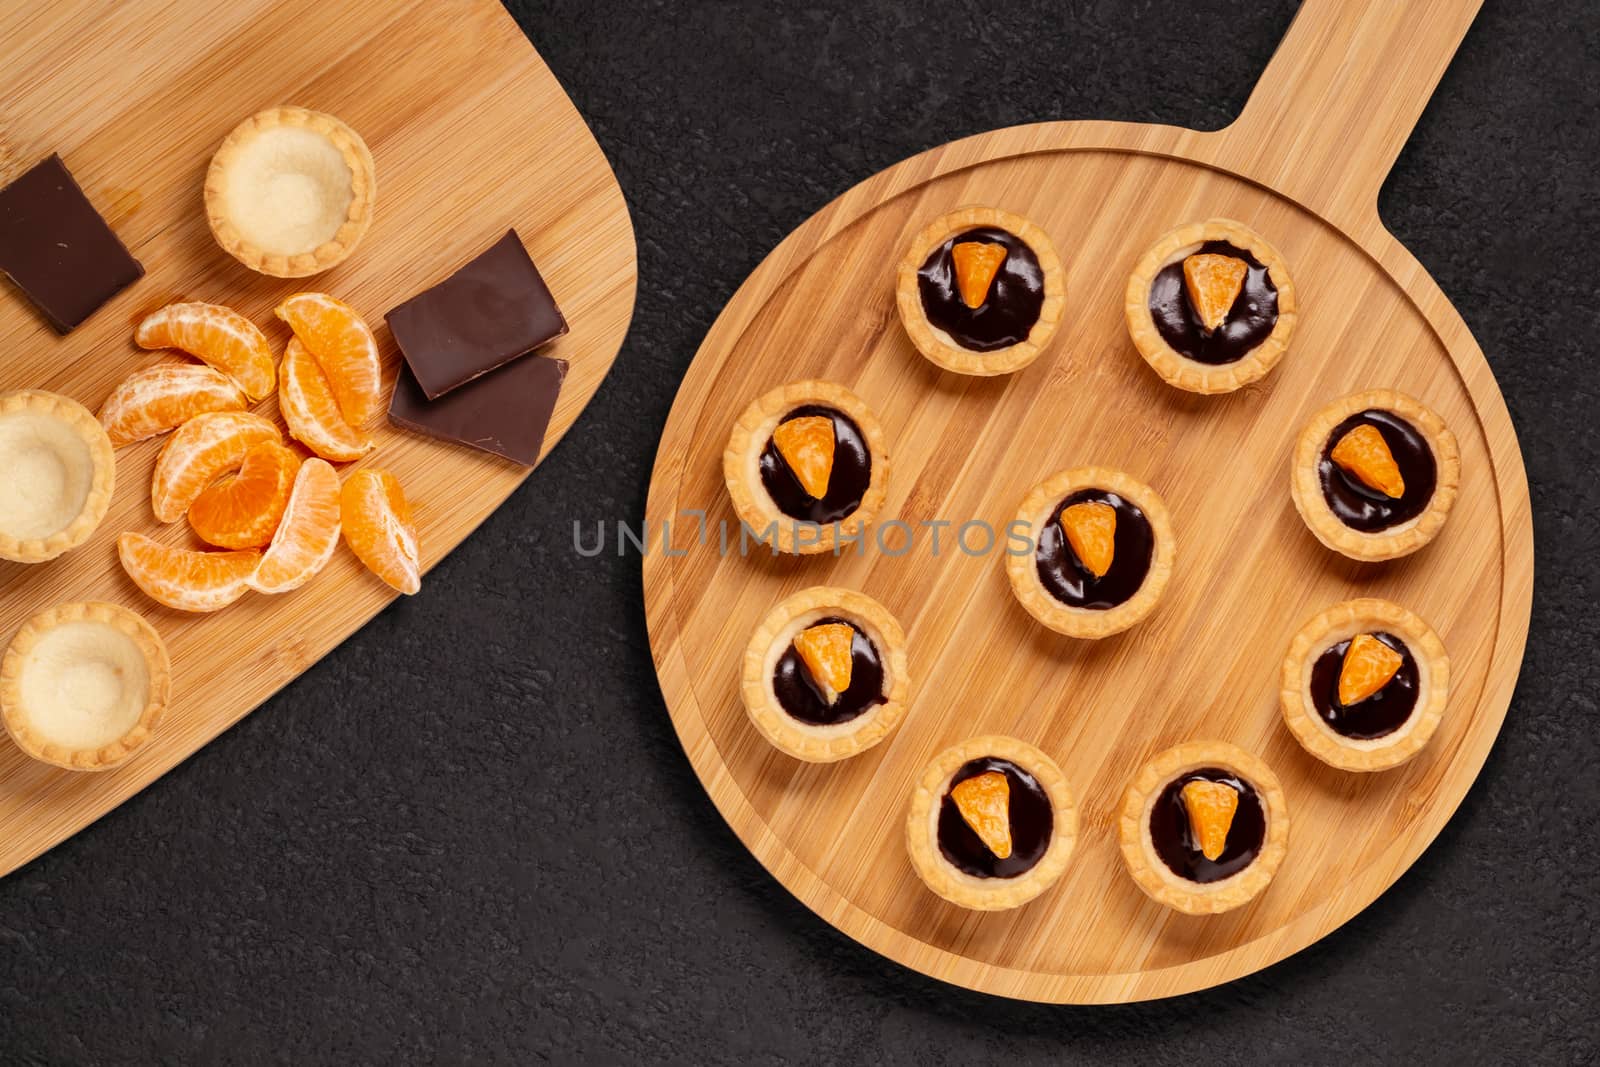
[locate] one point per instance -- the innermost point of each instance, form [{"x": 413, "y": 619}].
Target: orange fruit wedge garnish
[
  {"x": 379, "y": 529},
  {"x": 216, "y": 335},
  {"x": 308, "y": 533},
  {"x": 1364, "y": 453},
  {"x": 1368, "y": 666},
  {"x": 242, "y": 510},
  {"x": 1211, "y": 806},
  {"x": 984, "y": 801},
  {"x": 203, "y": 449},
  {"x": 308, "y": 405},
  {"x": 1213, "y": 282},
  {"x": 164, "y": 397},
  {"x": 825, "y": 650},
  {"x": 345, "y": 349},
  {"x": 806, "y": 445},
  {"x": 976, "y": 263},
  {"x": 1091, "y": 529},
  {"x": 184, "y": 579}
]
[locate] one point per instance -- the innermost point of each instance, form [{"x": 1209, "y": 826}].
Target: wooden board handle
[{"x": 1339, "y": 98}]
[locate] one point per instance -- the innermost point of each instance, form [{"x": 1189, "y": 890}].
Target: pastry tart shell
[
  {"x": 124, "y": 640},
  {"x": 742, "y": 473},
  {"x": 812, "y": 742},
  {"x": 70, "y": 446},
  {"x": 1037, "y": 510},
  {"x": 1160, "y": 882},
  {"x": 956, "y": 885},
  {"x": 1400, "y": 540},
  {"x": 1339, "y": 623},
  {"x": 1177, "y": 369},
  {"x": 939, "y": 347}
]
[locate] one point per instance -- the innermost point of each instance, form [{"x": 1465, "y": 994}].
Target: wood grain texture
[
  {"x": 1302, "y": 165},
  {"x": 471, "y": 134}
]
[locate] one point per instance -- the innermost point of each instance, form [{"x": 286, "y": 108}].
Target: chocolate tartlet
[
  {"x": 1364, "y": 685},
  {"x": 1210, "y": 306},
  {"x": 980, "y": 291},
  {"x": 825, "y": 674},
  {"x": 1204, "y": 827},
  {"x": 1374, "y": 475},
  {"x": 1103, "y": 550},
  {"x": 992, "y": 824}
]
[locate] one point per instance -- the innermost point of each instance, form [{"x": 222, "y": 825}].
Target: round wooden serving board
[{"x": 1302, "y": 165}]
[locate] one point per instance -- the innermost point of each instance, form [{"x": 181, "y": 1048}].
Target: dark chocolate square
[
  {"x": 483, "y": 316},
  {"x": 505, "y": 411},
  {"x": 58, "y": 249}
]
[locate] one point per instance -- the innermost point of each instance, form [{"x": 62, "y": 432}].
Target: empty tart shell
[{"x": 60, "y": 471}]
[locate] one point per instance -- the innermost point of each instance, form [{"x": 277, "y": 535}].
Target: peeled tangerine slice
[
  {"x": 308, "y": 533},
  {"x": 164, "y": 397},
  {"x": 1210, "y": 806},
  {"x": 243, "y": 510},
  {"x": 184, "y": 579},
  {"x": 1368, "y": 666},
  {"x": 806, "y": 445},
  {"x": 1214, "y": 283},
  {"x": 1364, "y": 453},
  {"x": 379, "y": 529},
  {"x": 984, "y": 801},
  {"x": 344, "y": 348},
  {"x": 204, "y": 448},
  {"x": 976, "y": 263},
  {"x": 1091, "y": 529},
  {"x": 825, "y": 650},
  {"x": 216, "y": 335},
  {"x": 308, "y": 406}
]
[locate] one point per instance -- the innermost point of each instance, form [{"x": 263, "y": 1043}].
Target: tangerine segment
[
  {"x": 976, "y": 263},
  {"x": 984, "y": 801},
  {"x": 826, "y": 652},
  {"x": 184, "y": 579},
  {"x": 164, "y": 397},
  {"x": 1211, "y": 806},
  {"x": 345, "y": 349},
  {"x": 1368, "y": 666},
  {"x": 1364, "y": 453},
  {"x": 217, "y": 335},
  {"x": 308, "y": 534},
  {"x": 379, "y": 529},
  {"x": 243, "y": 510},
  {"x": 807, "y": 445},
  {"x": 309, "y": 408},
  {"x": 1091, "y": 529},
  {"x": 204, "y": 448},
  {"x": 1214, "y": 283}
]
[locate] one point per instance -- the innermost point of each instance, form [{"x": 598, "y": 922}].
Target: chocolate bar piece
[
  {"x": 505, "y": 412},
  {"x": 58, "y": 249},
  {"x": 483, "y": 316}
]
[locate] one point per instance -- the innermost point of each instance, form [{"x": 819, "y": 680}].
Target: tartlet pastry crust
[
  {"x": 1022, "y": 570},
  {"x": 1174, "y": 367},
  {"x": 75, "y": 449},
  {"x": 1336, "y": 624},
  {"x": 127, "y": 644},
  {"x": 741, "y": 466},
  {"x": 922, "y": 827},
  {"x": 1160, "y": 882},
  {"x": 937, "y": 345},
  {"x": 1399, "y": 540},
  {"x": 809, "y": 741},
  {"x": 241, "y": 237}
]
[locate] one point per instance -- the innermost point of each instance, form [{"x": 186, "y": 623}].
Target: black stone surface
[{"x": 490, "y": 848}]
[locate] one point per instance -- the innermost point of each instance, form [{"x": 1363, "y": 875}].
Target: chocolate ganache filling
[
  {"x": 1357, "y": 504},
  {"x": 1383, "y": 712},
  {"x": 1174, "y": 838},
  {"x": 800, "y": 696},
  {"x": 1032, "y": 820},
  {"x": 1070, "y": 582},
  {"x": 1250, "y": 321},
  {"x": 852, "y": 473},
  {"x": 1010, "y": 309}
]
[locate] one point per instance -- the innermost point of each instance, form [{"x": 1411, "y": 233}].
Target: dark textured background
[{"x": 470, "y": 834}]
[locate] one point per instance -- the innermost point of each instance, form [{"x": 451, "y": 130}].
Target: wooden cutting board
[
  {"x": 1302, "y": 165},
  {"x": 471, "y": 134}
]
